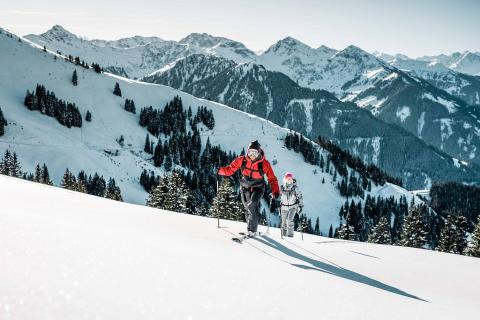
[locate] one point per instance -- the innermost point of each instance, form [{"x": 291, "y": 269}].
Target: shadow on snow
[{"x": 331, "y": 268}]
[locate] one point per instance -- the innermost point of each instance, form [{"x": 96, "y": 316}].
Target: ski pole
[
  {"x": 303, "y": 220},
  {"x": 280, "y": 215},
  {"x": 268, "y": 221}
]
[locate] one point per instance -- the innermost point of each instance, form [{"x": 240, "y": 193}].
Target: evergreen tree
[
  {"x": 225, "y": 204},
  {"x": 74, "y": 78},
  {"x": 317, "y": 226},
  {"x": 168, "y": 162},
  {"x": 474, "y": 246},
  {"x": 68, "y": 180},
  {"x": 346, "y": 232},
  {"x": 116, "y": 90},
  {"x": 414, "y": 233},
  {"x": 330, "y": 232},
  {"x": 10, "y": 165},
  {"x": 460, "y": 235},
  {"x": 447, "y": 235},
  {"x": 3, "y": 123},
  {"x": 171, "y": 194},
  {"x": 46, "y": 175},
  {"x": 381, "y": 232},
  {"x": 113, "y": 191},
  {"x": 88, "y": 116},
  {"x": 147, "y": 146},
  {"x": 38, "y": 174},
  {"x": 130, "y": 106},
  {"x": 158, "y": 156}
]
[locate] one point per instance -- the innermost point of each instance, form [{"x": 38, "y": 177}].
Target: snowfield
[{"x": 67, "y": 255}]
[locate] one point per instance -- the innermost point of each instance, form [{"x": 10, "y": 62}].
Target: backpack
[{"x": 244, "y": 165}]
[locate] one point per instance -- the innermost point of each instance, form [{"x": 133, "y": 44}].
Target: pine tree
[
  {"x": 317, "y": 226},
  {"x": 116, "y": 90},
  {"x": 10, "y": 165},
  {"x": 38, "y": 174},
  {"x": 474, "y": 246},
  {"x": 330, "y": 232},
  {"x": 225, "y": 204},
  {"x": 414, "y": 233},
  {"x": 381, "y": 232},
  {"x": 346, "y": 232},
  {"x": 168, "y": 162},
  {"x": 113, "y": 191},
  {"x": 147, "y": 146},
  {"x": 453, "y": 237},
  {"x": 88, "y": 116},
  {"x": 447, "y": 235},
  {"x": 171, "y": 194},
  {"x": 68, "y": 180},
  {"x": 158, "y": 195},
  {"x": 3, "y": 123},
  {"x": 460, "y": 243},
  {"x": 46, "y": 175},
  {"x": 74, "y": 78},
  {"x": 158, "y": 156}
]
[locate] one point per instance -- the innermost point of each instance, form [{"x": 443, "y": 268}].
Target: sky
[{"x": 412, "y": 27}]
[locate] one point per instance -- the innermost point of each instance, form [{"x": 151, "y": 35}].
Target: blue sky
[{"x": 411, "y": 27}]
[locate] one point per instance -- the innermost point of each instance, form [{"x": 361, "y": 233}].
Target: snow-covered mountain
[
  {"x": 464, "y": 62},
  {"x": 135, "y": 57},
  {"x": 219, "y": 46},
  {"x": 460, "y": 85},
  {"x": 40, "y": 139},
  {"x": 67, "y": 255},
  {"x": 272, "y": 95}
]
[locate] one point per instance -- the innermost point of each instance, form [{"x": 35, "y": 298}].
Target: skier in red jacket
[{"x": 253, "y": 166}]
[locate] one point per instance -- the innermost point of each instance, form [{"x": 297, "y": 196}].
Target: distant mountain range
[{"x": 288, "y": 84}]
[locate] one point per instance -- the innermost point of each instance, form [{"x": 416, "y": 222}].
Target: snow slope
[
  {"x": 40, "y": 139},
  {"x": 67, "y": 255}
]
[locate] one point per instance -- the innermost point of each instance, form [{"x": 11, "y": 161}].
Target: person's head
[
  {"x": 253, "y": 151},
  {"x": 288, "y": 180}
]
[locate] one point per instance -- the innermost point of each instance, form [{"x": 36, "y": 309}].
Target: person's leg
[
  {"x": 245, "y": 196},
  {"x": 290, "y": 222},
  {"x": 284, "y": 217},
  {"x": 254, "y": 208}
]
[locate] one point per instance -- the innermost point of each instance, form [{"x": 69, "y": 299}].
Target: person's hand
[{"x": 273, "y": 203}]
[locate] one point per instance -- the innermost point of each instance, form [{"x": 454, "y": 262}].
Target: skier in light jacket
[{"x": 291, "y": 202}]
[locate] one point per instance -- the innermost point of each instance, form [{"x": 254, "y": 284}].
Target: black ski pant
[{"x": 251, "y": 201}]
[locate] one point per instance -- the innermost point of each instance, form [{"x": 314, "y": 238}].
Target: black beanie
[{"x": 254, "y": 145}]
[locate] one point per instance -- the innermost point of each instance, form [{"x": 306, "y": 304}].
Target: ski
[{"x": 244, "y": 236}]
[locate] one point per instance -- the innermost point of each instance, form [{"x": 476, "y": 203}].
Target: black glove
[{"x": 273, "y": 202}]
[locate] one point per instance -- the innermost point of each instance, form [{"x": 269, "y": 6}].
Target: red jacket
[{"x": 251, "y": 171}]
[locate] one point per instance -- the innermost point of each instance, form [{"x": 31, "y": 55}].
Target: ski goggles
[{"x": 253, "y": 153}]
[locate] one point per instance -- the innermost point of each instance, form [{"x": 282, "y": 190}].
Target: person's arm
[
  {"x": 232, "y": 168},
  {"x": 272, "y": 179},
  {"x": 300, "y": 200}
]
